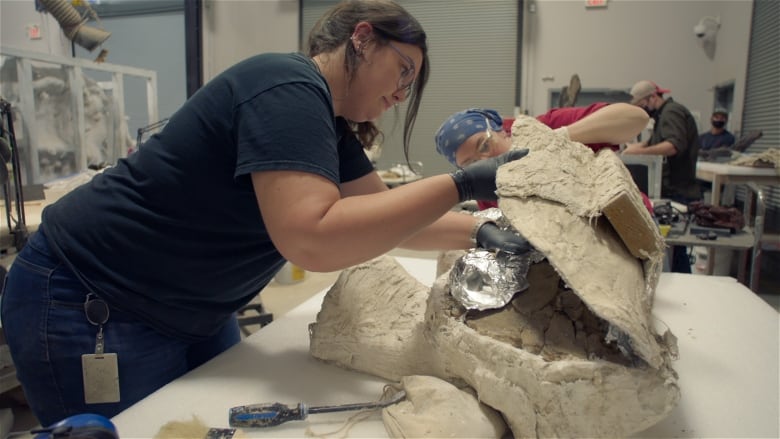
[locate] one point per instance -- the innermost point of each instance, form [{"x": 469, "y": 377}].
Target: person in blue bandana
[{"x": 473, "y": 134}]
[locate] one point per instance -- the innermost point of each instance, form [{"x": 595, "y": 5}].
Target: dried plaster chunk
[
  {"x": 435, "y": 408},
  {"x": 371, "y": 321}
]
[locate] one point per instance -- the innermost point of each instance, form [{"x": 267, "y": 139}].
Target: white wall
[
  {"x": 16, "y": 15},
  {"x": 630, "y": 40},
  {"x": 609, "y": 48},
  {"x": 234, "y": 30}
]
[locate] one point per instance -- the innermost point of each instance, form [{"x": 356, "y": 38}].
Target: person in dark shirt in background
[
  {"x": 675, "y": 136},
  {"x": 718, "y": 136}
]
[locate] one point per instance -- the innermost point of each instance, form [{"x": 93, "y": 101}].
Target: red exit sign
[{"x": 595, "y": 3}]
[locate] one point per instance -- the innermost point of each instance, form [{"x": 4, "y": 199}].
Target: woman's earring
[{"x": 359, "y": 48}]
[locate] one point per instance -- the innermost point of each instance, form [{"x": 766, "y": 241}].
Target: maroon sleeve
[
  {"x": 561, "y": 117},
  {"x": 507, "y": 125},
  {"x": 483, "y": 205}
]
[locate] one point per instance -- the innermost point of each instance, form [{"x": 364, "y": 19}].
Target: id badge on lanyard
[{"x": 100, "y": 370}]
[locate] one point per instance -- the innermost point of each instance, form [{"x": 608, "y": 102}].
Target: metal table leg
[{"x": 758, "y": 231}]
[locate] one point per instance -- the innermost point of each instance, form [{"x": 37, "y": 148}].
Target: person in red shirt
[
  {"x": 563, "y": 117},
  {"x": 478, "y": 133}
]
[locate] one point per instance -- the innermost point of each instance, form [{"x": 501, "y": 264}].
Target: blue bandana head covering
[{"x": 462, "y": 125}]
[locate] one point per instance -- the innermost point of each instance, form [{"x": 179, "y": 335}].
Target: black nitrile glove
[
  {"x": 490, "y": 237},
  {"x": 477, "y": 181}
]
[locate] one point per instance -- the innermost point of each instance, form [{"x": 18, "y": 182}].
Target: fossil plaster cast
[{"x": 576, "y": 354}]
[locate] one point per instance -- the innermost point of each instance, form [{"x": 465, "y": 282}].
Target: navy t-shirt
[
  {"x": 712, "y": 141},
  {"x": 173, "y": 234}
]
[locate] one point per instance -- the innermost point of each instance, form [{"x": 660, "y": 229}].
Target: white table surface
[
  {"x": 728, "y": 369},
  {"x": 723, "y": 173},
  {"x": 728, "y": 169}
]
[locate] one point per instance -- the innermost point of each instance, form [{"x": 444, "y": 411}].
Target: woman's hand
[
  {"x": 477, "y": 181},
  {"x": 490, "y": 237}
]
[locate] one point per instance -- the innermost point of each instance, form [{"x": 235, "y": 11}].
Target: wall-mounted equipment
[{"x": 705, "y": 31}]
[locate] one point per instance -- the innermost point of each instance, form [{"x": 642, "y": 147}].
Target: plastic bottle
[{"x": 290, "y": 274}]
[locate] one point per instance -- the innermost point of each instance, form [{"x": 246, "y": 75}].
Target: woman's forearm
[
  {"x": 451, "y": 232},
  {"x": 616, "y": 123}
]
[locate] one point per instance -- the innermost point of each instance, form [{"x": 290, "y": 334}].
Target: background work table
[
  {"x": 721, "y": 173},
  {"x": 728, "y": 369},
  {"x": 753, "y": 178}
]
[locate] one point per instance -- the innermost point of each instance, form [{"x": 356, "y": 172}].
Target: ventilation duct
[{"x": 72, "y": 24}]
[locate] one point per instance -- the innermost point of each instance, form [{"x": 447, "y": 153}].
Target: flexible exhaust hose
[
  {"x": 66, "y": 15},
  {"x": 72, "y": 24}
]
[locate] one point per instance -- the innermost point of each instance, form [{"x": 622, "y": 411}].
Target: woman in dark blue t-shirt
[{"x": 134, "y": 278}]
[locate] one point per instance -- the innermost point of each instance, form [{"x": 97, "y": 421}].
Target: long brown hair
[{"x": 390, "y": 22}]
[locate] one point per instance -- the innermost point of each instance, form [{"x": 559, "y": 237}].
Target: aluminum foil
[
  {"x": 494, "y": 214},
  {"x": 485, "y": 280},
  {"x": 621, "y": 340}
]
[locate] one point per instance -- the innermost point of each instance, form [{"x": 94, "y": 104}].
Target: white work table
[
  {"x": 722, "y": 173},
  {"x": 728, "y": 370}
]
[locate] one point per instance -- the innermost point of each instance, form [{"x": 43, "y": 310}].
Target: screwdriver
[{"x": 272, "y": 414}]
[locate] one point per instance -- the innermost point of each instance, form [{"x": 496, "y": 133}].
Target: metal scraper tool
[{"x": 271, "y": 414}]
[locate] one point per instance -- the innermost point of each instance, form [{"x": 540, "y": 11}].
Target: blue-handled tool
[
  {"x": 85, "y": 426},
  {"x": 271, "y": 414}
]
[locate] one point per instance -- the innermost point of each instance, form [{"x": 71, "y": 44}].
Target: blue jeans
[
  {"x": 681, "y": 261},
  {"x": 47, "y": 332}
]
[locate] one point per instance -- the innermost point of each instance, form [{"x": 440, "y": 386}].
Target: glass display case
[{"x": 70, "y": 113}]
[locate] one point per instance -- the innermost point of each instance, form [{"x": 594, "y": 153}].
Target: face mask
[
  {"x": 718, "y": 123},
  {"x": 650, "y": 112}
]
